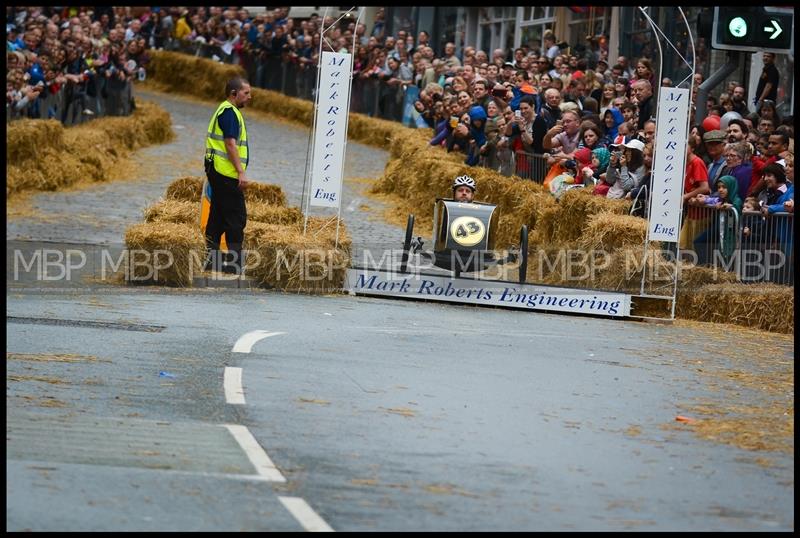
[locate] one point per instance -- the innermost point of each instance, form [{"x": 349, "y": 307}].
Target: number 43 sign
[{"x": 467, "y": 231}]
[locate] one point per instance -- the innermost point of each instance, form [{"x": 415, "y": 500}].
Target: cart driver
[{"x": 463, "y": 189}]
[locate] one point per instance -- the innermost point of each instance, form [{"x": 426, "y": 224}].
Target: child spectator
[
  {"x": 594, "y": 174},
  {"x": 559, "y": 184}
]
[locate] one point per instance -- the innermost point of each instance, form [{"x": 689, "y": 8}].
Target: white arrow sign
[{"x": 776, "y": 28}]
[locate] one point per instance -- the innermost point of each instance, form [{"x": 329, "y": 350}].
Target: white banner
[
  {"x": 669, "y": 165},
  {"x": 487, "y": 293},
  {"x": 330, "y": 132}
]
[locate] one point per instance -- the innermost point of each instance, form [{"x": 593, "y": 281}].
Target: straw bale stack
[
  {"x": 273, "y": 214},
  {"x": 148, "y": 244},
  {"x": 576, "y": 206},
  {"x": 174, "y": 211},
  {"x": 604, "y": 231},
  {"x": 289, "y": 260},
  {"x": 265, "y": 193},
  {"x": 768, "y": 307},
  {"x": 324, "y": 229},
  {"x": 375, "y": 131},
  {"x": 187, "y": 189},
  {"x": 206, "y": 79},
  {"x": 693, "y": 276},
  {"x": 190, "y": 74},
  {"x": 27, "y": 139},
  {"x": 43, "y": 155}
]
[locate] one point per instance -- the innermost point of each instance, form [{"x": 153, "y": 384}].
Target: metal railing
[
  {"x": 717, "y": 245},
  {"x": 105, "y": 97},
  {"x": 531, "y": 166},
  {"x": 767, "y": 247}
]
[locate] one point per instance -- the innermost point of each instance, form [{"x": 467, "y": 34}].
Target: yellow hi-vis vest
[{"x": 215, "y": 143}]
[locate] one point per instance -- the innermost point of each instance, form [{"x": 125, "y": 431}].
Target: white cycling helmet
[{"x": 465, "y": 181}]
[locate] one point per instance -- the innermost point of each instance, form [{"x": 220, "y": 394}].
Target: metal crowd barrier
[
  {"x": 112, "y": 97},
  {"x": 767, "y": 247},
  {"x": 531, "y": 166},
  {"x": 716, "y": 245}
]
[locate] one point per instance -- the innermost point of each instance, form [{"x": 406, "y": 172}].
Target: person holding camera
[
  {"x": 625, "y": 168},
  {"x": 226, "y": 160}
]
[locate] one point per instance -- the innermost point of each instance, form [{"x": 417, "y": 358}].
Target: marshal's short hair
[{"x": 234, "y": 84}]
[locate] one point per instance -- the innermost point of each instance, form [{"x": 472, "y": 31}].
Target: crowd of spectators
[
  {"x": 74, "y": 63},
  {"x": 566, "y": 116}
]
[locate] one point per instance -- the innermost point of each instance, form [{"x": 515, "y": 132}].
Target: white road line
[
  {"x": 234, "y": 393},
  {"x": 245, "y": 343},
  {"x": 306, "y": 515},
  {"x": 258, "y": 457}
]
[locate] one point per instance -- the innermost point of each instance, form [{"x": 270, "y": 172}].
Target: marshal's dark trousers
[{"x": 228, "y": 215}]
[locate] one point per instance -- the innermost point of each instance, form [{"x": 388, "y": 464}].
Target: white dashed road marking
[
  {"x": 234, "y": 393},
  {"x": 258, "y": 457},
  {"x": 306, "y": 515},
  {"x": 245, "y": 343}
]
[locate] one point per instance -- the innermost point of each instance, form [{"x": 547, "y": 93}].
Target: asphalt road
[
  {"x": 380, "y": 414},
  {"x": 125, "y": 410}
]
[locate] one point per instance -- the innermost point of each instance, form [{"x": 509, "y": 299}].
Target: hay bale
[
  {"x": 191, "y": 74},
  {"x": 604, "y": 231},
  {"x": 693, "y": 276},
  {"x": 273, "y": 214},
  {"x": 768, "y": 307},
  {"x": 46, "y": 156},
  {"x": 151, "y": 245},
  {"x": 26, "y": 139},
  {"x": 576, "y": 207},
  {"x": 188, "y": 188},
  {"x": 324, "y": 230},
  {"x": 283, "y": 258},
  {"x": 174, "y": 211},
  {"x": 266, "y": 193}
]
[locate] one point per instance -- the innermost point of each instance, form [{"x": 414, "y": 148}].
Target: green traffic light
[{"x": 737, "y": 27}]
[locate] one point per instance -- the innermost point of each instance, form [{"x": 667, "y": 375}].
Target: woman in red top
[{"x": 695, "y": 182}]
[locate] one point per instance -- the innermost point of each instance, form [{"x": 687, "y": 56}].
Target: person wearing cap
[
  {"x": 715, "y": 148},
  {"x": 625, "y": 168},
  {"x": 602, "y": 68}
]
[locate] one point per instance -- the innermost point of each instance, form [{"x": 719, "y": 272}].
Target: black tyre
[
  {"x": 523, "y": 252},
  {"x": 407, "y": 244}
]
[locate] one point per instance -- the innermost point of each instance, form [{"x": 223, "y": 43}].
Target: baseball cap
[
  {"x": 508, "y": 64},
  {"x": 714, "y": 136},
  {"x": 635, "y": 144}
]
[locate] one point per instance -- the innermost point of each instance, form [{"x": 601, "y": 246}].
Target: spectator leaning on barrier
[
  {"x": 738, "y": 165},
  {"x": 725, "y": 197},
  {"x": 777, "y": 192},
  {"x": 226, "y": 161},
  {"x": 715, "y": 148}
]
